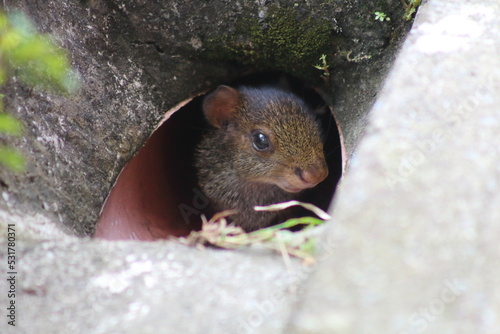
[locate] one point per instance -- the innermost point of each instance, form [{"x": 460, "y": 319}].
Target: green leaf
[
  {"x": 12, "y": 159},
  {"x": 37, "y": 59},
  {"x": 10, "y": 125},
  {"x": 309, "y": 246},
  {"x": 3, "y": 76}
]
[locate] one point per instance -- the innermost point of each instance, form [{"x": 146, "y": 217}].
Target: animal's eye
[{"x": 260, "y": 141}]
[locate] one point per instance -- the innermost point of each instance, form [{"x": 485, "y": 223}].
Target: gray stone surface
[
  {"x": 412, "y": 247},
  {"x": 414, "y": 243},
  {"x": 76, "y": 145},
  {"x": 138, "y": 59},
  {"x": 72, "y": 285},
  {"x": 160, "y": 287}
]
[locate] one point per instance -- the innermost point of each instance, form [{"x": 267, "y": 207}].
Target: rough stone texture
[
  {"x": 414, "y": 247},
  {"x": 73, "y": 285},
  {"x": 161, "y": 287},
  {"x": 137, "y": 59},
  {"x": 77, "y": 145}
]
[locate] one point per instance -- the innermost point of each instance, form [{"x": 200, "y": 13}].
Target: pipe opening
[{"x": 157, "y": 194}]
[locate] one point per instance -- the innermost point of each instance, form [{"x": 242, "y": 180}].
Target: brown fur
[{"x": 234, "y": 175}]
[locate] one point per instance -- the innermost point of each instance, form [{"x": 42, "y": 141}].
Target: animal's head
[{"x": 273, "y": 135}]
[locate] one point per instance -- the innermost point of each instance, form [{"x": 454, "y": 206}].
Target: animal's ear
[{"x": 221, "y": 105}]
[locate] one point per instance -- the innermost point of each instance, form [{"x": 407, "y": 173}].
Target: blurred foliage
[
  {"x": 410, "y": 8},
  {"x": 35, "y": 60}
]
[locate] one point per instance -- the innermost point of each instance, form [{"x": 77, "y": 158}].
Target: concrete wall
[{"x": 412, "y": 247}]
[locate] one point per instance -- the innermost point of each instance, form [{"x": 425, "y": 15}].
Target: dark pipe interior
[{"x": 156, "y": 194}]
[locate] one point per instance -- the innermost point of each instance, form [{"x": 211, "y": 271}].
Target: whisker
[
  {"x": 335, "y": 149},
  {"x": 329, "y": 125}
]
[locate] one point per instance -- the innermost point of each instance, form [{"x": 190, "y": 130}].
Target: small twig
[
  {"x": 285, "y": 205},
  {"x": 219, "y": 233},
  {"x": 284, "y": 251}
]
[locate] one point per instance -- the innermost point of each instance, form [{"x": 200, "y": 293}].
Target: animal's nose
[{"x": 313, "y": 174}]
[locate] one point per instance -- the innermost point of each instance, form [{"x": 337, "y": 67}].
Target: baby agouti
[{"x": 264, "y": 148}]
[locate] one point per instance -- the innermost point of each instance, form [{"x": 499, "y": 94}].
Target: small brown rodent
[{"x": 264, "y": 147}]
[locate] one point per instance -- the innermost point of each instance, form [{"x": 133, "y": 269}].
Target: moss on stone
[{"x": 284, "y": 41}]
